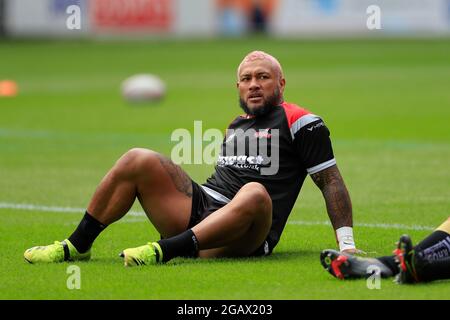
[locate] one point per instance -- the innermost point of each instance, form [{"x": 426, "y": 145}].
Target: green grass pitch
[{"x": 386, "y": 102}]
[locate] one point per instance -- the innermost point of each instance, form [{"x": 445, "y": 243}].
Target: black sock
[
  {"x": 436, "y": 246},
  {"x": 86, "y": 232},
  {"x": 183, "y": 245},
  {"x": 389, "y": 261},
  {"x": 433, "y": 270}
]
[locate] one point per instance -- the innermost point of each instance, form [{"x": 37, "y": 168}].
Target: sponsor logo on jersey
[
  {"x": 317, "y": 125},
  {"x": 251, "y": 149},
  {"x": 263, "y": 133}
]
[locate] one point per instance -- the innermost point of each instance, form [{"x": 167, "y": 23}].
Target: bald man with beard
[{"x": 242, "y": 209}]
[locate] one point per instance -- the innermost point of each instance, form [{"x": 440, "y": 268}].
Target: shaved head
[{"x": 261, "y": 55}]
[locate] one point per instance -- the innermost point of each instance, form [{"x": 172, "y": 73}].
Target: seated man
[
  {"x": 427, "y": 261},
  {"x": 243, "y": 207}
]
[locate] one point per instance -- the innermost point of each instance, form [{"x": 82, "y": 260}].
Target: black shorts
[{"x": 203, "y": 205}]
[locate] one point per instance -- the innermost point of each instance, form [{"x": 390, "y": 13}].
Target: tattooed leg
[
  {"x": 163, "y": 189},
  {"x": 179, "y": 178}
]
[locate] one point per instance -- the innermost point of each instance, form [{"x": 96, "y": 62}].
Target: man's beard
[{"x": 269, "y": 103}]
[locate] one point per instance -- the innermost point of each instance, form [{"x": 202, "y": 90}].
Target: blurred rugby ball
[{"x": 143, "y": 88}]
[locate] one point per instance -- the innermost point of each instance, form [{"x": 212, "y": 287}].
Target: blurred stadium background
[
  {"x": 211, "y": 18},
  {"x": 384, "y": 93}
]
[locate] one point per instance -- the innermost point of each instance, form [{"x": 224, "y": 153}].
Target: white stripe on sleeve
[
  {"x": 321, "y": 166},
  {"x": 301, "y": 122}
]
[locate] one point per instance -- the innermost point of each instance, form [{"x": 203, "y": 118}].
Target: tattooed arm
[{"x": 337, "y": 199}]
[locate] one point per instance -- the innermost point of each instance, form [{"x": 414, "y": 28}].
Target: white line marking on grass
[
  {"x": 36, "y": 207},
  {"x": 367, "y": 225},
  {"x": 42, "y": 208}
]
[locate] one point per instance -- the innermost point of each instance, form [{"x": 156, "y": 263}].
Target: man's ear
[{"x": 282, "y": 84}]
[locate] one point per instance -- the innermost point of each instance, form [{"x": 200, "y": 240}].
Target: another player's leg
[
  {"x": 237, "y": 229},
  {"x": 437, "y": 245},
  {"x": 164, "y": 190},
  {"x": 427, "y": 261}
]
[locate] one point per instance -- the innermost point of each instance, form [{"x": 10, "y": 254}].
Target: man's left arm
[
  {"x": 313, "y": 143},
  {"x": 339, "y": 205}
]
